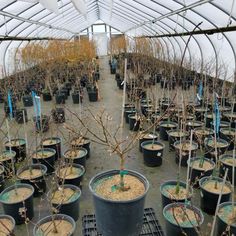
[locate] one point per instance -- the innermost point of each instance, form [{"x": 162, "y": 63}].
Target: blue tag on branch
[
  {"x": 123, "y": 172},
  {"x": 114, "y": 188},
  {"x": 187, "y": 202}
]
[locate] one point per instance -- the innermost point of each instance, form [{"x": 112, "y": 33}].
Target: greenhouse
[{"x": 117, "y": 117}]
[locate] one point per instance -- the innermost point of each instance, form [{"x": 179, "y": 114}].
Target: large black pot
[
  {"x": 60, "y": 98},
  {"x": 176, "y": 135},
  {"x": 146, "y": 137},
  {"x": 38, "y": 182},
  {"x": 224, "y": 225},
  {"x": 77, "y": 98},
  {"x": 78, "y": 158},
  {"x": 2, "y": 181},
  {"x": 196, "y": 172},
  {"x": 228, "y": 134},
  {"x": 118, "y": 218},
  {"x": 208, "y": 198},
  {"x": 47, "y": 96},
  {"x": 21, "y": 209},
  {"x": 182, "y": 151},
  {"x": 84, "y": 142},
  {"x": 93, "y": 95},
  {"x": 7, "y": 159},
  {"x": 226, "y": 162},
  {"x": 45, "y": 156},
  {"x": 53, "y": 143},
  {"x": 19, "y": 147},
  {"x": 28, "y": 100},
  {"x": 164, "y": 127},
  {"x": 69, "y": 207},
  {"x": 58, "y": 115},
  {"x": 41, "y": 123},
  {"x": 59, "y": 218},
  {"x": 19, "y": 117},
  {"x": 152, "y": 153},
  {"x": 9, "y": 227},
  {"x": 64, "y": 176},
  {"x": 134, "y": 122},
  {"x": 174, "y": 228},
  {"x": 129, "y": 112},
  {"x": 168, "y": 198}
]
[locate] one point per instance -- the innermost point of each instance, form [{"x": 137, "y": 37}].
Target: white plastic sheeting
[{"x": 66, "y": 18}]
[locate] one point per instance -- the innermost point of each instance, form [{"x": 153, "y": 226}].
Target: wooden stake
[
  {"x": 124, "y": 93},
  {"x": 189, "y": 158}
]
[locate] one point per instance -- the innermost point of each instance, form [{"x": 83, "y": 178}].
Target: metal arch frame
[
  {"x": 228, "y": 40},
  {"x": 148, "y": 30}
]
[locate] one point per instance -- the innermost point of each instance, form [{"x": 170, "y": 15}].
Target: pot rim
[
  {"x": 155, "y": 142},
  {"x": 221, "y": 205},
  {"x": 114, "y": 172},
  {"x": 3, "y": 216},
  {"x": 16, "y": 139},
  {"x": 45, "y": 149},
  {"x": 57, "y": 216},
  {"x": 74, "y": 165},
  {"x": 196, "y": 210},
  {"x": 205, "y": 159},
  {"x": 186, "y": 141},
  {"x": 77, "y": 157},
  {"x": 18, "y": 185},
  {"x": 41, "y": 166},
  {"x": 57, "y": 139}
]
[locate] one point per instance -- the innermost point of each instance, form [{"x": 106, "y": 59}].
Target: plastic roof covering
[{"x": 133, "y": 17}]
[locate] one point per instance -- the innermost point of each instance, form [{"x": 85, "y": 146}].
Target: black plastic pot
[
  {"x": 145, "y": 107},
  {"x": 47, "y": 96},
  {"x": 191, "y": 125},
  {"x": 70, "y": 208},
  {"x": 41, "y": 124},
  {"x": 184, "y": 153},
  {"x": 201, "y": 133},
  {"x": 8, "y": 230},
  {"x": 7, "y": 159},
  {"x": 209, "y": 119},
  {"x": 38, "y": 232},
  {"x": 227, "y": 165},
  {"x": 223, "y": 224},
  {"x": 128, "y": 106},
  {"x": 93, "y": 96},
  {"x": 48, "y": 161},
  {"x": 19, "y": 116},
  {"x": 38, "y": 182},
  {"x": 118, "y": 218},
  {"x": 146, "y": 137},
  {"x": 210, "y": 149},
  {"x": 58, "y": 115},
  {"x": 200, "y": 112},
  {"x": 152, "y": 157},
  {"x": 167, "y": 199},
  {"x": 175, "y": 135},
  {"x": 84, "y": 144},
  {"x": 134, "y": 122},
  {"x": 209, "y": 199},
  {"x": 18, "y": 210},
  {"x": 74, "y": 181},
  {"x": 2, "y": 181},
  {"x": 54, "y": 143},
  {"x": 197, "y": 172},
  {"x": 127, "y": 113},
  {"x": 60, "y": 98},
  {"x": 173, "y": 228},
  {"x": 20, "y": 149},
  {"x": 166, "y": 126},
  {"x": 228, "y": 134},
  {"x": 77, "y": 98},
  {"x": 28, "y": 101},
  {"x": 7, "y": 109},
  {"x": 80, "y": 158}
]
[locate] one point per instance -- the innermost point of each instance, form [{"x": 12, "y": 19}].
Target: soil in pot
[
  {"x": 65, "y": 226},
  {"x": 65, "y": 200},
  {"x": 81, "y": 142},
  {"x": 6, "y": 159},
  {"x": 170, "y": 193},
  {"x": 46, "y": 157},
  {"x": 71, "y": 174},
  {"x": 34, "y": 175},
  {"x": 7, "y": 225},
  {"x": 17, "y": 201},
  {"x": 210, "y": 190},
  {"x": 77, "y": 155},
  {"x": 180, "y": 217},
  {"x": 54, "y": 143},
  {"x": 165, "y": 126},
  {"x": 19, "y": 147},
  {"x": 226, "y": 162},
  {"x": 200, "y": 167},
  {"x": 152, "y": 153},
  {"x": 226, "y": 219},
  {"x": 127, "y": 207},
  {"x": 182, "y": 151}
]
